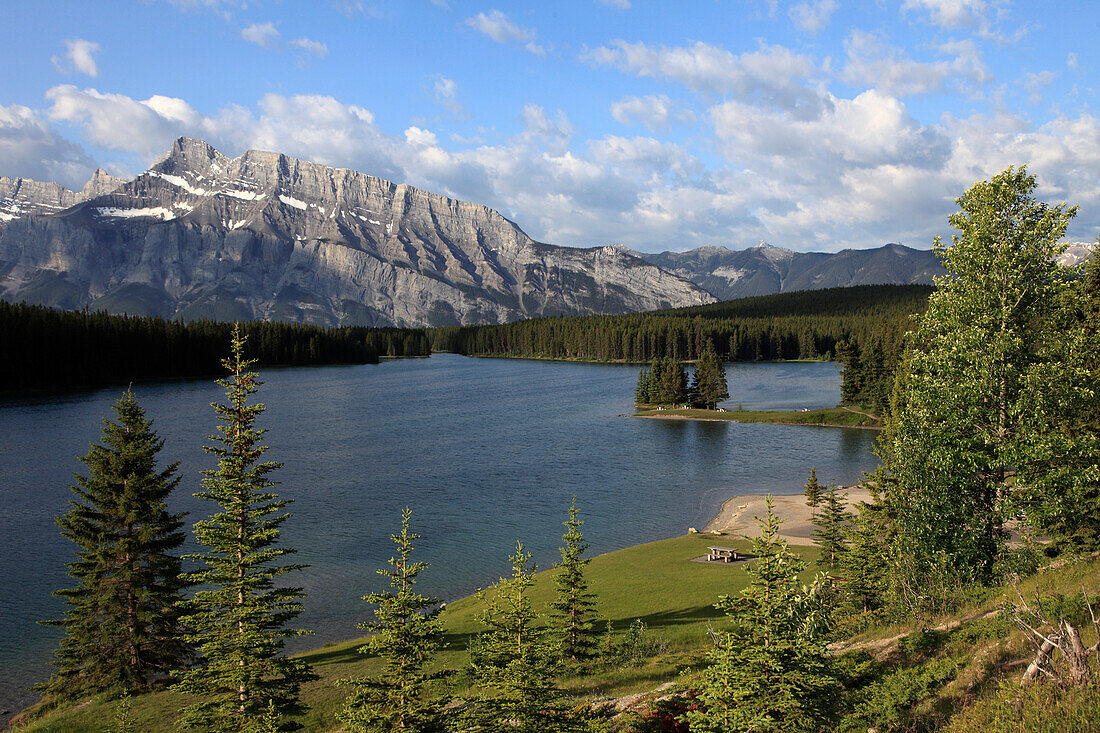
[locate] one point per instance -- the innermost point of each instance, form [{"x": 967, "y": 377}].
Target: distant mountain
[
  {"x": 764, "y": 269},
  {"x": 200, "y": 235}
]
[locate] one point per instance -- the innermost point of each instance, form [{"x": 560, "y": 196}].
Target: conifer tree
[
  {"x": 708, "y": 385},
  {"x": 121, "y": 630},
  {"x": 832, "y": 527},
  {"x": 672, "y": 384},
  {"x": 641, "y": 390},
  {"x": 407, "y": 633},
  {"x": 239, "y": 619},
  {"x": 813, "y": 492},
  {"x": 771, "y": 671},
  {"x": 865, "y": 563},
  {"x": 574, "y": 607},
  {"x": 514, "y": 664}
]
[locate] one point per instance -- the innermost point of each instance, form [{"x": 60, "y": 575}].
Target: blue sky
[{"x": 814, "y": 124}]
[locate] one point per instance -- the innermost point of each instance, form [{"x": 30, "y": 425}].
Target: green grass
[
  {"x": 655, "y": 582},
  {"x": 829, "y": 417}
]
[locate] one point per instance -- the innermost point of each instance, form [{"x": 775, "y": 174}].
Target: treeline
[
  {"x": 808, "y": 324},
  {"x": 54, "y": 349}
]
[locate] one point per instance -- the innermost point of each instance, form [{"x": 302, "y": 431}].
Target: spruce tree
[
  {"x": 832, "y": 527},
  {"x": 865, "y": 564},
  {"x": 708, "y": 385},
  {"x": 514, "y": 664},
  {"x": 574, "y": 608},
  {"x": 813, "y": 492},
  {"x": 641, "y": 390},
  {"x": 672, "y": 387},
  {"x": 407, "y": 633},
  {"x": 121, "y": 630},
  {"x": 770, "y": 671},
  {"x": 238, "y": 620}
]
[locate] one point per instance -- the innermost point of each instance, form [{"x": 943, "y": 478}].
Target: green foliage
[
  {"x": 68, "y": 349},
  {"x": 123, "y": 721},
  {"x": 574, "y": 608},
  {"x": 513, "y": 663},
  {"x": 121, "y": 625},
  {"x": 832, "y": 527},
  {"x": 771, "y": 671},
  {"x": 238, "y": 619},
  {"x": 963, "y": 417},
  {"x": 866, "y": 565},
  {"x": 813, "y": 491},
  {"x": 407, "y": 634},
  {"x": 888, "y": 704},
  {"x": 708, "y": 384}
]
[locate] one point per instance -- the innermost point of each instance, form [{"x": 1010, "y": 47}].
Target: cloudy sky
[{"x": 814, "y": 124}]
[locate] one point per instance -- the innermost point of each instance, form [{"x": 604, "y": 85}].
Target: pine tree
[
  {"x": 708, "y": 386},
  {"x": 513, "y": 664},
  {"x": 771, "y": 671},
  {"x": 407, "y": 633},
  {"x": 832, "y": 527},
  {"x": 813, "y": 492},
  {"x": 574, "y": 608},
  {"x": 672, "y": 387},
  {"x": 121, "y": 627},
  {"x": 239, "y": 619}
]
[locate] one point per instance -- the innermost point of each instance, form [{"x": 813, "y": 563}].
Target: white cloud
[
  {"x": 29, "y": 148},
  {"x": 1071, "y": 60},
  {"x": 498, "y": 27},
  {"x": 772, "y": 75},
  {"x": 446, "y": 95},
  {"x": 812, "y": 16},
  {"x": 950, "y": 13},
  {"x": 618, "y": 4},
  {"x": 309, "y": 46},
  {"x": 265, "y": 35},
  {"x": 1035, "y": 82},
  {"x": 870, "y": 63},
  {"x": 655, "y": 111},
  {"x": 78, "y": 57}
]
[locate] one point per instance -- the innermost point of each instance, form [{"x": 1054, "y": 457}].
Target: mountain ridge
[{"x": 265, "y": 235}]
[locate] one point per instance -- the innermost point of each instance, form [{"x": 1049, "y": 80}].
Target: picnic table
[{"x": 725, "y": 554}]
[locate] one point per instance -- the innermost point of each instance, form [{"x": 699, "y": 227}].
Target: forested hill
[
  {"x": 862, "y": 326},
  {"x": 50, "y": 349},
  {"x": 800, "y": 325}
]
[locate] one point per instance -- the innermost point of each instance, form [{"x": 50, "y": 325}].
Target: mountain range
[{"x": 264, "y": 235}]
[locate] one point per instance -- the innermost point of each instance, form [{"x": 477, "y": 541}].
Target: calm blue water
[{"x": 484, "y": 451}]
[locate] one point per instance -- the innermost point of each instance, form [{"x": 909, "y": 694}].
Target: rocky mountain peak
[{"x": 101, "y": 183}]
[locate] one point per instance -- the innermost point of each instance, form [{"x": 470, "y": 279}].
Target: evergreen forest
[{"x": 49, "y": 349}]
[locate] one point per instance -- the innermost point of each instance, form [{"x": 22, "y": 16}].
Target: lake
[{"x": 484, "y": 451}]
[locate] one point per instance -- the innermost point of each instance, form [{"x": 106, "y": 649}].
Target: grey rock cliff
[{"x": 200, "y": 235}]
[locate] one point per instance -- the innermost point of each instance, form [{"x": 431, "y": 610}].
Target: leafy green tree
[
  {"x": 514, "y": 664},
  {"x": 771, "y": 671},
  {"x": 708, "y": 385},
  {"x": 238, "y": 620},
  {"x": 960, "y": 423},
  {"x": 1059, "y": 484},
  {"x": 121, "y": 630},
  {"x": 407, "y": 633},
  {"x": 832, "y": 527},
  {"x": 574, "y": 609},
  {"x": 813, "y": 492}
]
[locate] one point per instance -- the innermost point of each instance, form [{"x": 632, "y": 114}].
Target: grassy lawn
[
  {"x": 655, "y": 582},
  {"x": 830, "y": 416}
]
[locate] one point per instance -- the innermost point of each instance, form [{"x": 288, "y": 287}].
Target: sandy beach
[{"x": 737, "y": 514}]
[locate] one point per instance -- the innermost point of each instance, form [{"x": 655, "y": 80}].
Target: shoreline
[
  {"x": 829, "y": 417},
  {"x": 737, "y": 515}
]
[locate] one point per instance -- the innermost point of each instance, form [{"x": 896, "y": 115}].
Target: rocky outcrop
[
  {"x": 200, "y": 235},
  {"x": 764, "y": 269}
]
